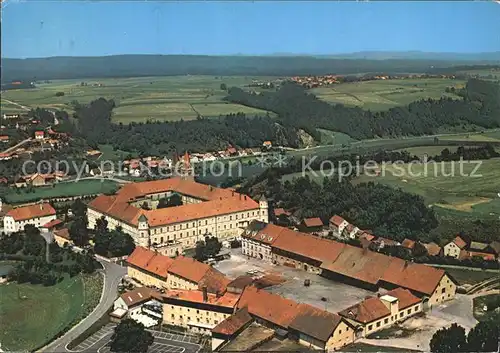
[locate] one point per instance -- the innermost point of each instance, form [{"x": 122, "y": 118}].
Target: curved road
[{"x": 112, "y": 276}]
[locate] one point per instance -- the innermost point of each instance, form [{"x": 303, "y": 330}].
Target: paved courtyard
[
  {"x": 164, "y": 342},
  {"x": 322, "y": 293}
]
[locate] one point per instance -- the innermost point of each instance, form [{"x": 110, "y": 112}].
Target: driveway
[{"x": 112, "y": 276}]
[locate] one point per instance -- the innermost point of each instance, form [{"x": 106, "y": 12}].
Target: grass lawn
[
  {"x": 109, "y": 154},
  {"x": 428, "y": 150},
  {"x": 466, "y": 276},
  {"x": 63, "y": 189},
  {"x": 363, "y": 347},
  {"x": 476, "y": 195},
  {"x": 486, "y": 136},
  {"x": 143, "y": 98},
  {"x": 384, "y": 94},
  {"x": 42, "y": 312}
]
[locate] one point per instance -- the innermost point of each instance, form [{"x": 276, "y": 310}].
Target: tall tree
[
  {"x": 449, "y": 340},
  {"x": 130, "y": 336},
  {"x": 484, "y": 337}
]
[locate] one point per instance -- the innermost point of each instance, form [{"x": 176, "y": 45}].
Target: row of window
[
  {"x": 181, "y": 318},
  {"x": 393, "y": 318}
]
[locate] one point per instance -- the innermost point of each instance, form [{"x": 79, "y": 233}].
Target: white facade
[
  {"x": 10, "y": 225},
  {"x": 451, "y": 249},
  {"x": 172, "y": 237}
]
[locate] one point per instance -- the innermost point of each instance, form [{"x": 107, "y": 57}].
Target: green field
[
  {"x": 465, "y": 276},
  {"x": 490, "y": 301},
  {"x": 384, "y": 94},
  {"x": 141, "y": 98},
  {"x": 444, "y": 186},
  {"x": 486, "y": 136},
  {"x": 63, "y": 189},
  {"x": 33, "y": 314},
  {"x": 428, "y": 150}
]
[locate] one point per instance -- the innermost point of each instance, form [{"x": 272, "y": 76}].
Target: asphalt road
[{"x": 112, "y": 276}]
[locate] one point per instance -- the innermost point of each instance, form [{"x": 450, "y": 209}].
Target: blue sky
[{"x": 78, "y": 28}]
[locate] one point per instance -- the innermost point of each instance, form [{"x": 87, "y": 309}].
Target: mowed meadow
[
  {"x": 385, "y": 94},
  {"x": 140, "y": 99}
]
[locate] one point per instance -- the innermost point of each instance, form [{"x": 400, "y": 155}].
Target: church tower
[{"x": 264, "y": 209}]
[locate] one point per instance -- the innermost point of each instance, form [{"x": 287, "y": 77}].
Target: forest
[
  {"x": 479, "y": 106},
  {"x": 36, "y": 69},
  {"x": 373, "y": 207}
]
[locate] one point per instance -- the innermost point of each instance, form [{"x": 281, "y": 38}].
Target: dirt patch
[{"x": 464, "y": 206}]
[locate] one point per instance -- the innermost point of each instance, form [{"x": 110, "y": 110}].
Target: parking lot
[
  {"x": 322, "y": 293},
  {"x": 164, "y": 342}
]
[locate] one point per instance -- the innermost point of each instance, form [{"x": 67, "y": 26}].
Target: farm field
[
  {"x": 63, "y": 189},
  {"x": 384, "y": 94},
  {"x": 445, "y": 187},
  {"x": 428, "y": 150},
  {"x": 33, "y": 314},
  {"x": 486, "y": 136},
  {"x": 141, "y": 98}
]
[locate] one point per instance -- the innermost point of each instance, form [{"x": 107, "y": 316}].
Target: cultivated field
[
  {"x": 384, "y": 94},
  {"x": 443, "y": 186},
  {"x": 141, "y": 98}
]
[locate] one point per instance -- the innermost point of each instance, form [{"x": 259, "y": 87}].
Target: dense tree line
[
  {"x": 29, "y": 247},
  {"x": 381, "y": 209},
  {"x": 207, "y": 248},
  {"x": 483, "y": 337},
  {"x": 296, "y": 107},
  {"x": 114, "y": 243},
  {"x": 474, "y": 153},
  {"x": 35, "y": 69},
  {"x": 159, "y": 138}
]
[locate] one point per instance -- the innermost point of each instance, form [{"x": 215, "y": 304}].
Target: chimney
[
  {"x": 205, "y": 293},
  {"x": 232, "y": 193},
  {"x": 240, "y": 196},
  {"x": 245, "y": 197},
  {"x": 217, "y": 294}
]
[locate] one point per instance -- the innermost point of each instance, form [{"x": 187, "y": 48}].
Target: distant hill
[
  {"x": 420, "y": 55},
  {"x": 167, "y": 65}
]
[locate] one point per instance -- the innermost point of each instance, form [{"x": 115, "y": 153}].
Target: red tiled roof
[
  {"x": 279, "y": 211},
  {"x": 267, "y": 306},
  {"x": 408, "y": 243},
  {"x": 336, "y": 220},
  {"x": 218, "y": 201},
  {"x": 4, "y": 138},
  {"x": 214, "y": 281},
  {"x": 417, "y": 277},
  {"x": 142, "y": 258},
  {"x": 139, "y": 295},
  {"x": 367, "y": 236},
  {"x": 405, "y": 297},
  {"x": 313, "y": 222},
  {"x": 433, "y": 249},
  {"x": 228, "y": 300},
  {"x": 366, "y": 311},
  {"x": 38, "y": 133},
  {"x": 233, "y": 323},
  {"x": 261, "y": 232},
  {"x": 188, "y": 268},
  {"x": 459, "y": 242},
  {"x": 360, "y": 264},
  {"x": 53, "y": 223},
  {"x": 314, "y": 322},
  {"x": 63, "y": 233},
  {"x": 306, "y": 245},
  {"x": 32, "y": 211},
  {"x": 484, "y": 255}
]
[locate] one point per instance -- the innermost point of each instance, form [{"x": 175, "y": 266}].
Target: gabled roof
[
  {"x": 32, "y": 211},
  {"x": 366, "y": 311},
  {"x": 313, "y": 222},
  {"x": 461, "y": 243},
  {"x": 360, "y": 264},
  {"x": 267, "y": 306},
  {"x": 150, "y": 261},
  {"x": 336, "y": 220},
  {"x": 279, "y": 211},
  {"x": 189, "y": 269},
  {"x": 413, "y": 276},
  {"x": 233, "y": 323},
  {"x": 228, "y": 300},
  {"x": 63, "y": 233},
  {"x": 261, "y": 232},
  {"x": 408, "y": 243},
  {"x": 433, "y": 249},
  {"x": 477, "y": 246},
  {"x": 314, "y": 322},
  {"x": 405, "y": 297},
  {"x": 53, "y": 223},
  {"x": 138, "y": 296}
]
